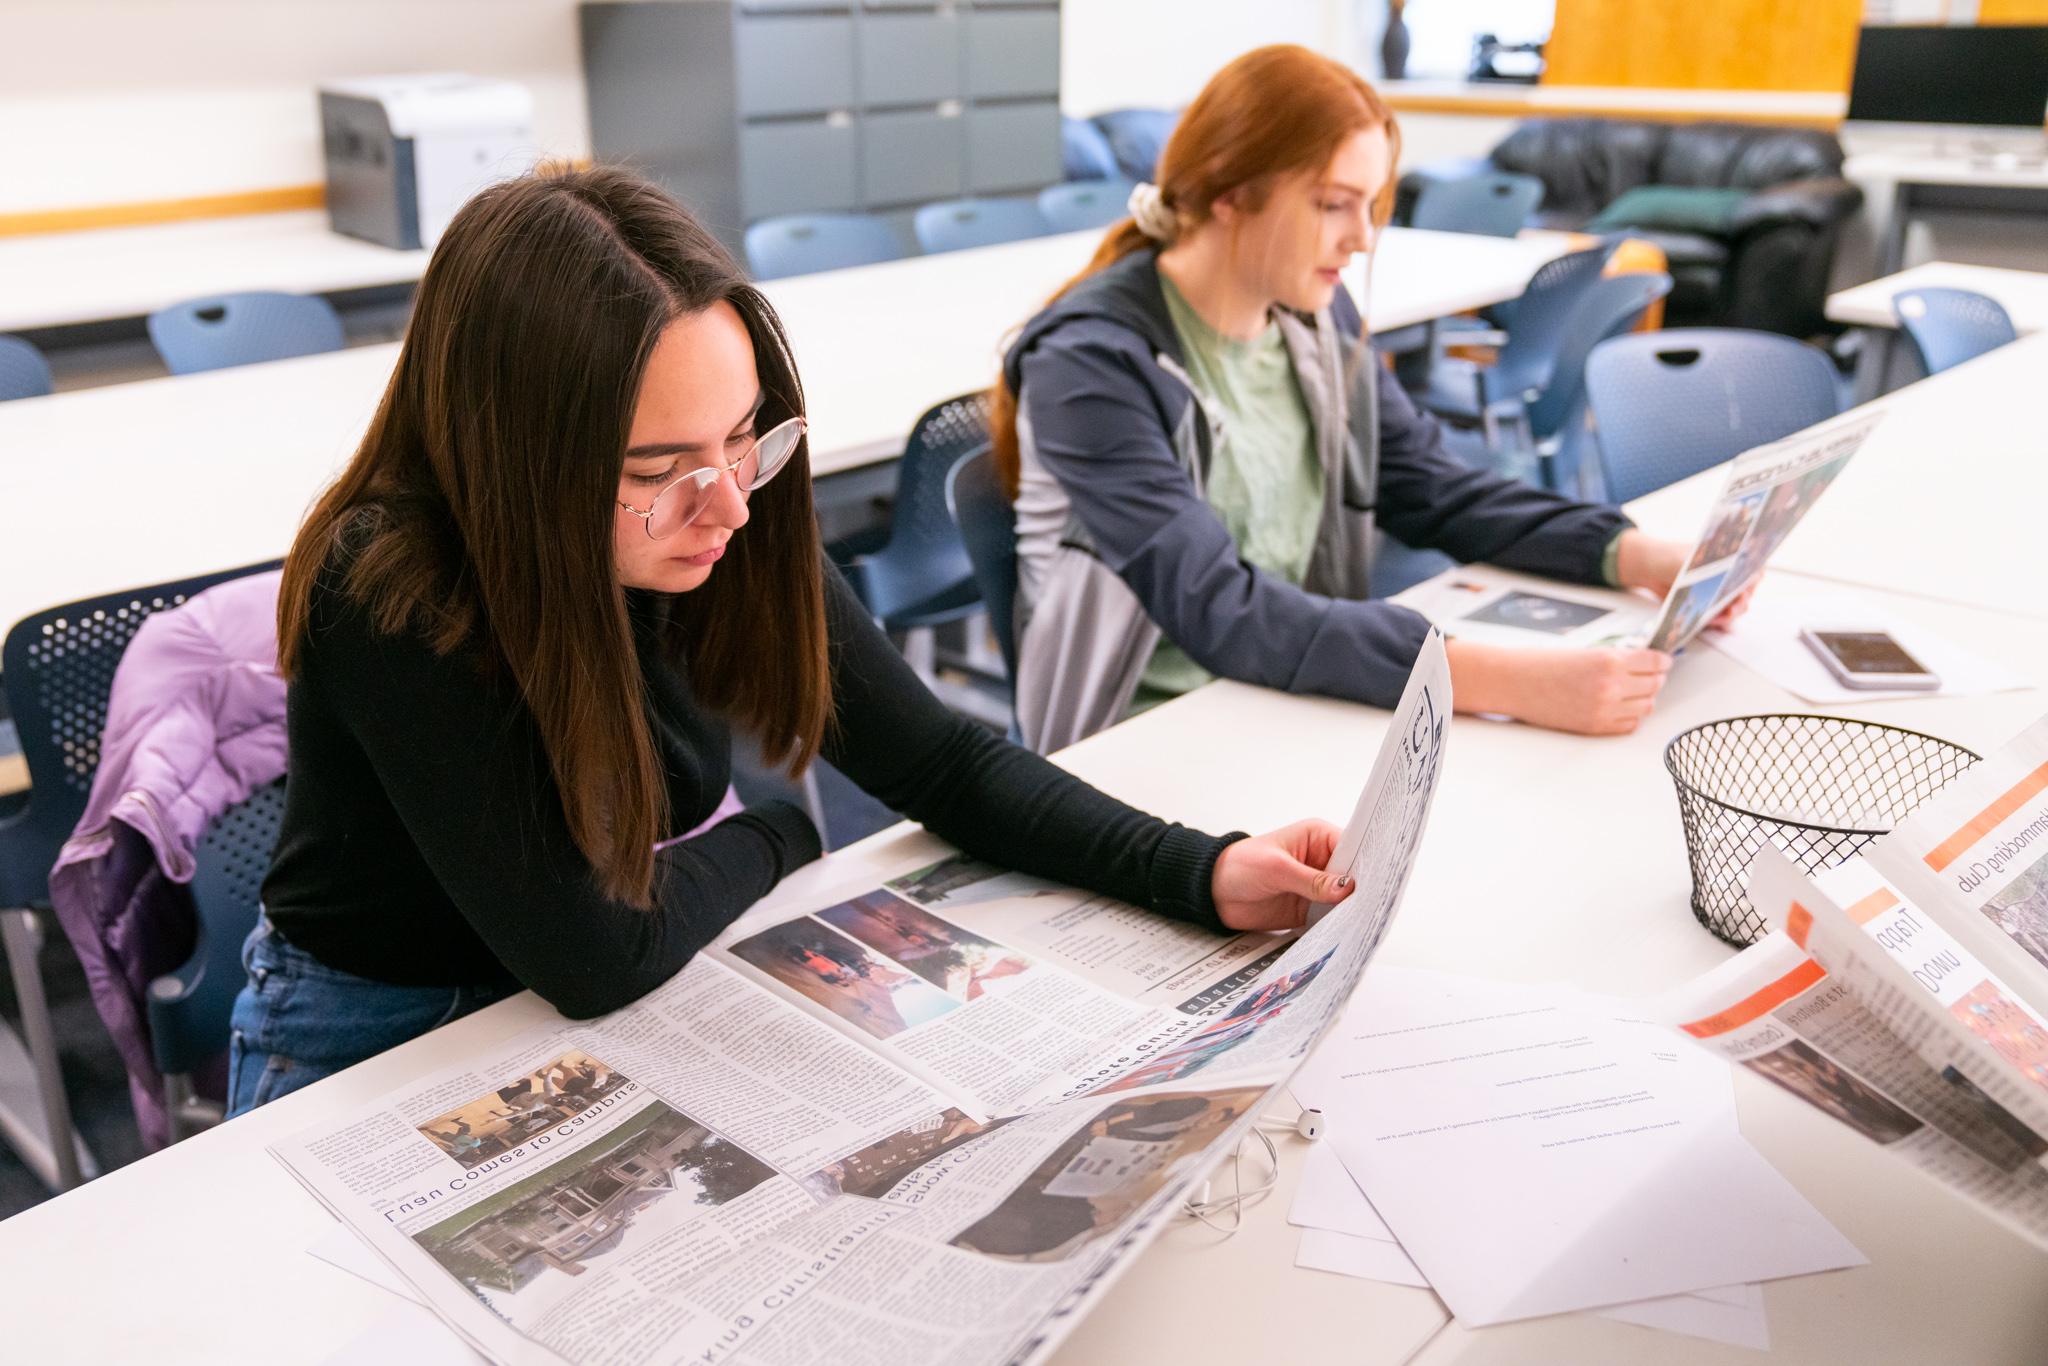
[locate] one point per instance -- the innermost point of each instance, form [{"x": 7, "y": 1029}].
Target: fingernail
[{"x": 1343, "y": 882}]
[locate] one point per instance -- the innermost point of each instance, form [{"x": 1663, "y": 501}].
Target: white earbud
[{"x": 1310, "y": 1125}]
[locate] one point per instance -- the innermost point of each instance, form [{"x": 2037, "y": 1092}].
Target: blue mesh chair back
[
  {"x": 800, "y": 243},
  {"x": 988, "y": 526},
  {"x": 921, "y": 576},
  {"x": 1667, "y": 405},
  {"x": 1949, "y": 326},
  {"x": 1606, "y": 309},
  {"x": 23, "y": 371},
  {"x": 1077, "y": 205},
  {"x": 1137, "y": 137},
  {"x": 1085, "y": 153},
  {"x": 1495, "y": 205},
  {"x": 189, "y": 1007},
  {"x": 1552, "y": 290},
  {"x": 956, "y": 224},
  {"x": 242, "y": 329},
  {"x": 57, "y": 667}
]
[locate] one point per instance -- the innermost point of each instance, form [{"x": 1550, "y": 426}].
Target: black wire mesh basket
[{"x": 1817, "y": 787}]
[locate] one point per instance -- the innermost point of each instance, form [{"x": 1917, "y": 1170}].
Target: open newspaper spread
[
  {"x": 1769, "y": 490},
  {"x": 928, "y": 1121},
  {"x": 1906, "y": 992}
]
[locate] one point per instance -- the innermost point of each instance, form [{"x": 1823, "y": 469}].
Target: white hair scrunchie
[{"x": 1150, "y": 212}]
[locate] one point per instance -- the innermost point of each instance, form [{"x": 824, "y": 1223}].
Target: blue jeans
[{"x": 298, "y": 1020}]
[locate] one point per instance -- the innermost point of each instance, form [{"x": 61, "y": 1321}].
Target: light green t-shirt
[{"x": 1264, "y": 480}]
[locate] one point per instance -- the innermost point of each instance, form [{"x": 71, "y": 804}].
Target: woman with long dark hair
[
  {"x": 1203, "y": 446},
  {"x": 575, "y": 549}
]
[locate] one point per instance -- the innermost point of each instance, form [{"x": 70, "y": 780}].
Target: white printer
[{"x": 404, "y": 152}]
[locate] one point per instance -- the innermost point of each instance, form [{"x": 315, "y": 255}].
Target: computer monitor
[{"x": 1981, "y": 76}]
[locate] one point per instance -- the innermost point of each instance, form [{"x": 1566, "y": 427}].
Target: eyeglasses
[{"x": 683, "y": 499}]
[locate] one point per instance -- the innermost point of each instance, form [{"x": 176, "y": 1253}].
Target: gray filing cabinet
[{"x": 752, "y": 108}]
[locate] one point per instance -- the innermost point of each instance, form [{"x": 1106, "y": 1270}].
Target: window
[{"x": 1440, "y": 32}]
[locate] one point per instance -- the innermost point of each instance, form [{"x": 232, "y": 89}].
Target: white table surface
[
  {"x": 133, "y": 484},
  {"x": 2019, "y": 169},
  {"x": 56, "y": 279},
  {"x": 1945, "y": 500},
  {"x": 1547, "y": 858},
  {"x": 2022, "y": 293},
  {"x": 60, "y": 278}
]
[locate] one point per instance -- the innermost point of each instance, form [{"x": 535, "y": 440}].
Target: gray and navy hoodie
[{"x": 1117, "y": 544}]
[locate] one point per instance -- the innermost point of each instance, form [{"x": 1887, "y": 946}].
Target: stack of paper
[{"x": 1524, "y": 1151}]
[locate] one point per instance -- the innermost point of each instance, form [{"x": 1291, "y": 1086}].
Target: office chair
[
  {"x": 956, "y": 224},
  {"x": 1949, "y": 326},
  {"x": 1666, "y": 405},
  {"x": 243, "y": 329},
  {"x": 801, "y": 243}
]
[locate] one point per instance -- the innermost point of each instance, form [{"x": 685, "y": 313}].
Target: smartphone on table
[{"x": 1868, "y": 660}]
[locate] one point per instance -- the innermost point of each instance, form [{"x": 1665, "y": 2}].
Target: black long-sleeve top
[{"x": 424, "y": 842}]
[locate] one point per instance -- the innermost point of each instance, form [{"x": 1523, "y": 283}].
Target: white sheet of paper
[
  {"x": 1766, "y": 641},
  {"x": 406, "y": 1335},
  {"x": 1733, "y": 1314},
  {"x": 339, "y": 1247},
  {"x": 1532, "y": 1158},
  {"x": 1329, "y": 1199},
  {"x": 1368, "y": 1259}
]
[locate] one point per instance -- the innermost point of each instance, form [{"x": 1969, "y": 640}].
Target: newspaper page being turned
[
  {"x": 1780, "y": 1015},
  {"x": 920, "y": 1124},
  {"x": 1769, "y": 490}
]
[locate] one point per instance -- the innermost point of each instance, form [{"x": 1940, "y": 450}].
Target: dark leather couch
[{"x": 1768, "y": 268}]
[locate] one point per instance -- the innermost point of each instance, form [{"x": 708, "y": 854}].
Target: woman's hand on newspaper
[
  {"x": 1651, "y": 565},
  {"x": 1587, "y": 692},
  {"x": 1268, "y": 882}
]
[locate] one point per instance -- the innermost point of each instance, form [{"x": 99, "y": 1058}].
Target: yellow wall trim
[
  {"x": 146, "y": 212},
  {"x": 1514, "y": 107}
]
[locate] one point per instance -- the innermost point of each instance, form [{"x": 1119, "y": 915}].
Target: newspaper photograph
[
  {"x": 1503, "y": 607},
  {"x": 892, "y": 1128},
  {"x": 1769, "y": 490},
  {"x": 1117, "y": 948}
]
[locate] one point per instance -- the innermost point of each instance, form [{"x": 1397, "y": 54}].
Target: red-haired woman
[
  {"x": 574, "y": 551},
  {"x": 1201, "y": 444}
]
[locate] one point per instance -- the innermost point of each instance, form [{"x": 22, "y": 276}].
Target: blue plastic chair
[
  {"x": 956, "y": 224},
  {"x": 988, "y": 528},
  {"x": 1085, "y": 153},
  {"x": 1137, "y": 137},
  {"x": 1667, "y": 405},
  {"x": 57, "y": 668},
  {"x": 800, "y": 243},
  {"x": 1451, "y": 387},
  {"x": 1494, "y": 205},
  {"x": 189, "y": 1007},
  {"x": 1539, "y": 391},
  {"x": 1949, "y": 326},
  {"x": 23, "y": 371},
  {"x": 1547, "y": 297},
  {"x": 243, "y": 329},
  {"x": 1077, "y": 205},
  {"x": 921, "y": 577}
]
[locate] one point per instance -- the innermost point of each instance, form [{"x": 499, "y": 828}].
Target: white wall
[
  {"x": 119, "y": 101},
  {"x": 116, "y": 101},
  {"x": 1118, "y": 53}
]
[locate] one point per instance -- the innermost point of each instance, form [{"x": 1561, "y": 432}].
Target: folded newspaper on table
[
  {"x": 929, "y": 1122},
  {"x": 1769, "y": 490},
  {"x": 1906, "y": 991}
]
